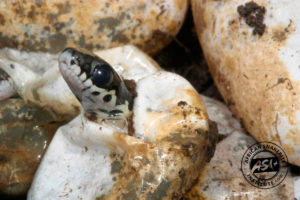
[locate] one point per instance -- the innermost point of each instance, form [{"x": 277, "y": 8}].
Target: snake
[{"x": 101, "y": 91}]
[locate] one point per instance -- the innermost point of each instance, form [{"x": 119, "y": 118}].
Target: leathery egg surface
[{"x": 253, "y": 51}]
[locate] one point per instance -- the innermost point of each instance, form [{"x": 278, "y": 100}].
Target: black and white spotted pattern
[{"x": 96, "y": 85}]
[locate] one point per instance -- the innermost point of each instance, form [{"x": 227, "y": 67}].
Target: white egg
[{"x": 253, "y": 48}]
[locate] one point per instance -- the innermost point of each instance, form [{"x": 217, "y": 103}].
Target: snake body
[{"x": 98, "y": 87}]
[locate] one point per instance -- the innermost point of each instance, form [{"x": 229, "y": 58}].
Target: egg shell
[
  {"x": 37, "y": 79},
  {"x": 253, "y": 52},
  {"x": 92, "y": 24}
]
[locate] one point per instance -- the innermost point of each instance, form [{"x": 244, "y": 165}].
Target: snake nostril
[
  {"x": 107, "y": 98},
  {"x": 72, "y": 62}
]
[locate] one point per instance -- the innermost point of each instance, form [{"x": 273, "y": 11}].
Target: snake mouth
[
  {"x": 64, "y": 62},
  {"x": 71, "y": 74}
]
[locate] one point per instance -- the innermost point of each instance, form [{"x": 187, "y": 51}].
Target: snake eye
[{"x": 102, "y": 74}]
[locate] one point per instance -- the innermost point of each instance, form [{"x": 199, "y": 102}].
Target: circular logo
[{"x": 264, "y": 165}]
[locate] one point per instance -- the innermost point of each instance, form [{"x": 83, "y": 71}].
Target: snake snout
[{"x": 66, "y": 55}]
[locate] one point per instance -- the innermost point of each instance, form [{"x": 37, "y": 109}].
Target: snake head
[{"x": 101, "y": 91}]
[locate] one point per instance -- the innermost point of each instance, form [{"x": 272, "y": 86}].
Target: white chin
[{"x": 72, "y": 79}]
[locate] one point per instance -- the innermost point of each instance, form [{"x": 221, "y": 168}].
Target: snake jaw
[
  {"x": 97, "y": 86},
  {"x": 70, "y": 74}
]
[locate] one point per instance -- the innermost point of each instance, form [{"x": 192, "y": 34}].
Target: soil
[{"x": 254, "y": 16}]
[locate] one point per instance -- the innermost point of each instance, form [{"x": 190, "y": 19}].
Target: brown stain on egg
[
  {"x": 280, "y": 33},
  {"x": 2, "y": 19},
  {"x": 180, "y": 117},
  {"x": 164, "y": 169},
  {"x": 196, "y": 100}
]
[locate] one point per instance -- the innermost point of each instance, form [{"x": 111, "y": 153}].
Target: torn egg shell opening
[
  {"x": 171, "y": 144},
  {"x": 257, "y": 74}
]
